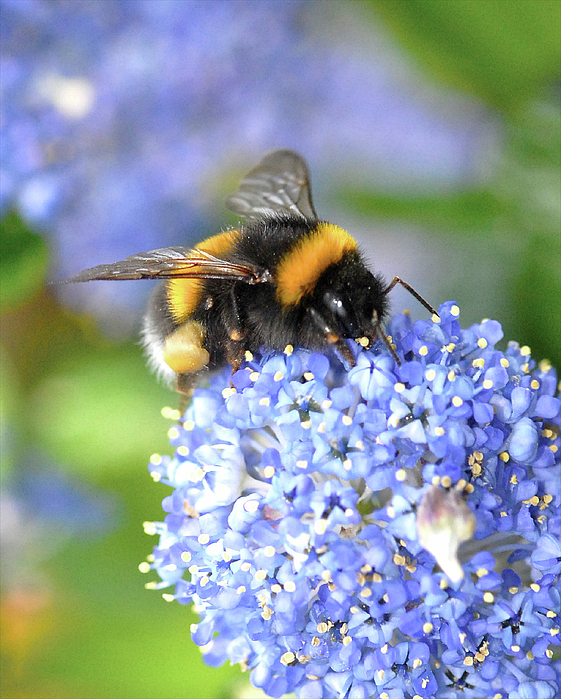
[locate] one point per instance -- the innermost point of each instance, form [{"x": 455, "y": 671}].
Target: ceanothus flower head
[{"x": 308, "y": 506}]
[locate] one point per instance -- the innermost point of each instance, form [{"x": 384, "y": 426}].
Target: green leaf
[
  {"x": 473, "y": 209},
  {"x": 502, "y": 50},
  {"x": 23, "y": 262}
]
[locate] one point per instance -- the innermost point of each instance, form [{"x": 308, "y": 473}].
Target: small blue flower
[{"x": 304, "y": 516}]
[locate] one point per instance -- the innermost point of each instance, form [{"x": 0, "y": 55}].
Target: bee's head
[{"x": 351, "y": 300}]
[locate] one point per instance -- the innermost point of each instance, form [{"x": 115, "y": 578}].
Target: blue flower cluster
[{"x": 302, "y": 493}]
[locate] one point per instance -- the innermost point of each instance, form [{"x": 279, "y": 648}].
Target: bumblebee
[{"x": 282, "y": 277}]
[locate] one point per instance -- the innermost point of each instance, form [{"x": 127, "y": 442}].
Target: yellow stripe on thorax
[
  {"x": 301, "y": 267},
  {"x": 184, "y": 294}
]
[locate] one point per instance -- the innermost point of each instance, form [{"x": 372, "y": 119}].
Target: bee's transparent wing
[
  {"x": 280, "y": 184},
  {"x": 173, "y": 262}
]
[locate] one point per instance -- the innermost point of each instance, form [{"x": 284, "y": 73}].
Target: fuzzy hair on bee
[{"x": 281, "y": 277}]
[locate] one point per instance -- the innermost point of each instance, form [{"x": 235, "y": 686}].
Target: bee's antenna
[{"x": 411, "y": 290}]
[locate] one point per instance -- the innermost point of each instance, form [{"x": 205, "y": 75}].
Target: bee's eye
[{"x": 334, "y": 304}]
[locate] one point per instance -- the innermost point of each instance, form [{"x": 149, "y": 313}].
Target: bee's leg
[
  {"x": 331, "y": 337},
  {"x": 184, "y": 385},
  {"x": 235, "y": 326},
  {"x": 411, "y": 290},
  {"x": 235, "y": 348},
  {"x": 386, "y": 340}
]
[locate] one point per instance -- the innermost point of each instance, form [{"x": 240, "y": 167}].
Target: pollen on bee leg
[
  {"x": 332, "y": 338},
  {"x": 236, "y": 335},
  {"x": 362, "y": 341}
]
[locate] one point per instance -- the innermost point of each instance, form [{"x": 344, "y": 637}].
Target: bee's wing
[
  {"x": 280, "y": 184},
  {"x": 174, "y": 262}
]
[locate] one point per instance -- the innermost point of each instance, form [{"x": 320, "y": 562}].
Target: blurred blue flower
[
  {"x": 299, "y": 495},
  {"x": 119, "y": 118}
]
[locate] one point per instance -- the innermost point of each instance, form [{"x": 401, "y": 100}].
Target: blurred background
[{"x": 432, "y": 129}]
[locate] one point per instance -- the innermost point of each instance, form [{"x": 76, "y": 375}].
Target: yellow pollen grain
[
  {"x": 468, "y": 660},
  {"x": 430, "y": 375},
  {"x": 451, "y": 375},
  {"x": 428, "y": 627},
  {"x": 525, "y": 368},
  {"x": 381, "y": 674},
  {"x": 366, "y": 592},
  {"x": 301, "y": 464},
  {"x": 320, "y": 526},
  {"x": 535, "y": 587},
  {"x": 443, "y": 584},
  {"x": 267, "y": 613},
  {"x": 167, "y": 597},
  {"x": 347, "y": 640},
  {"x": 269, "y": 551},
  {"x": 513, "y": 589},
  {"x": 144, "y": 567},
  {"x": 547, "y": 498},
  {"x": 203, "y": 539},
  {"x": 204, "y": 581},
  {"x": 525, "y": 351},
  {"x": 478, "y": 363},
  {"x": 347, "y": 420},
  {"x": 439, "y": 431},
  {"x": 156, "y": 476},
  {"x": 457, "y": 401},
  {"x": 309, "y": 376},
  {"x": 260, "y": 575},
  {"x": 326, "y": 404},
  {"x": 398, "y": 559},
  {"x": 149, "y": 528},
  {"x": 251, "y": 506},
  {"x": 455, "y": 310},
  {"x": 171, "y": 567},
  {"x": 487, "y": 384},
  {"x": 321, "y": 427},
  {"x": 502, "y": 513},
  {"x": 504, "y": 362},
  {"x": 535, "y": 384},
  {"x": 417, "y": 663},
  {"x": 226, "y": 556},
  {"x": 156, "y": 459},
  {"x": 287, "y": 658},
  {"x": 482, "y": 343},
  {"x": 245, "y": 566},
  {"x": 306, "y": 424},
  {"x": 288, "y": 350},
  {"x": 240, "y": 590},
  {"x": 553, "y": 631},
  {"x": 254, "y": 376},
  {"x": 384, "y": 649},
  {"x": 376, "y": 578},
  {"x": 278, "y": 376},
  {"x": 166, "y": 412},
  {"x": 435, "y": 319},
  {"x": 173, "y": 433},
  {"x": 150, "y": 585},
  {"x": 401, "y": 475},
  {"x": 290, "y": 586},
  {"x": 347, "y": 464},
  {"x": 248, "y": 356},
  {"x": 276, "y": 588},
  {"x": 322, "y": 627},
  {"x": 399, "y": 387},
  {"x": 189, "y": 425},
  {"x": 183, "y": 450},
  {"x": 482, "y": 572},
  {"x": 269, "y": 471},
  {"x": 504, "y": 456},
  {"x": 227, "y": 392},
  {"x": 423, "y": 351},
  {"x": 489, "y": 598},
  {"x": 515, "y": 648},
  {"x": 554, "y": 448}
]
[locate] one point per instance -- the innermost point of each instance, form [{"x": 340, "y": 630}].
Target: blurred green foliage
[{"x": 91, "y": 406}]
